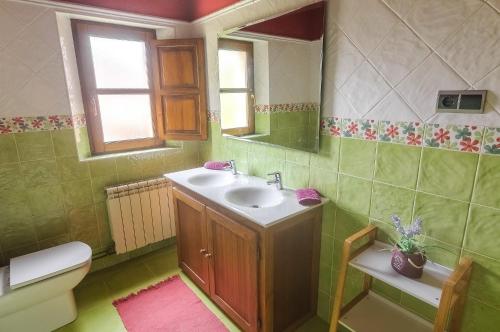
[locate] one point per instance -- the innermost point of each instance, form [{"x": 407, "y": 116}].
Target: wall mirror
[{"x": 270, "y": 79}]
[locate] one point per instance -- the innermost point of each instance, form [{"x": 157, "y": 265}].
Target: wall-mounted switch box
[{"x": 461, "y": 101}]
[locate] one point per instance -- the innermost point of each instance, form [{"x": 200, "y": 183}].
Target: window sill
[{"x": 133, "y": 153}]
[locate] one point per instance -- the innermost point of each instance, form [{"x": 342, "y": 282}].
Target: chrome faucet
[
  {"x": 277, "y": 180},
  {"x": 232, "y": 167}
]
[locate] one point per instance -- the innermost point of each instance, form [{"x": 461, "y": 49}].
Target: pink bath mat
[{"x": 167, "y": 306}]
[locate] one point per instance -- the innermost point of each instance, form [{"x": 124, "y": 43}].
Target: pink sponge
[
  {"x": 308, "y": 196},
  {"x": 216, "y": 165}
]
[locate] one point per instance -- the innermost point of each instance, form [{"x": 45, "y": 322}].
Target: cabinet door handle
[
  {"x": 208, "y": 255},
  {"x": 203, "y": 251}
]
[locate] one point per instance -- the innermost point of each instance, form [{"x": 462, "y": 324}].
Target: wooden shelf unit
[{"x": 439, "y": 286}]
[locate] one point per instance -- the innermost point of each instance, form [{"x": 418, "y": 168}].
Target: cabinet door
[
  {"x": 192, "y": 243},
  {"x": 233, "y": 269}
]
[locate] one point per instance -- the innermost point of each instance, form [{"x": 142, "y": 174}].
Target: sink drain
[{"x": 255, "y": 206}]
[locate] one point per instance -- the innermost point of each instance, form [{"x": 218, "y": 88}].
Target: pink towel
[
  {"x": 217, "y": 165},
  {"x": 308, "y": 196}
]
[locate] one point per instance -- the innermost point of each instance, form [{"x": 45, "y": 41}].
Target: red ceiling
[
  {"x": 306, "y": 23},
  {"x": 185, "y": 10}
]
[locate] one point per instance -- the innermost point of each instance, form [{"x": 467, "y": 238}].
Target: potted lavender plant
[{"x": 408, "y": 254}]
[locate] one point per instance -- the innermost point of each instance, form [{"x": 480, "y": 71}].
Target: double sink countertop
[{"x": 248, "y": 196}]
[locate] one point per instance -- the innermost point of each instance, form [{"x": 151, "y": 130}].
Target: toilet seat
[{"x": 43, "y": 264}]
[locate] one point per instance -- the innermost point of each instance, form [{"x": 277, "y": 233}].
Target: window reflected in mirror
[
  {"x": 270, "y": 77},
  {"x": 236, "y": 86}
]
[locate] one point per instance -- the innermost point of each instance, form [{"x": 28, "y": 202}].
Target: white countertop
[{"x": 265, "y": 216}]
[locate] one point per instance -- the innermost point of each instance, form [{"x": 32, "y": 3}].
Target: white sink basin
[
  {"x": 215, "y": 179},
  {"x": 254, "y": 197}
]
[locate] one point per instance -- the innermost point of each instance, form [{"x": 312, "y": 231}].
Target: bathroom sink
[
  {"x": 215, "y": 179},
  {"x": 254, "y": 197}
]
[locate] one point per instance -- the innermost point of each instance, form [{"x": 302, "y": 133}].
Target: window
[
  {"x": 236, "y": 87},
  {"x": 129, "y": 97}
]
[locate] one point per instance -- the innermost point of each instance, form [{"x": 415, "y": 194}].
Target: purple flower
[
  {"x": 414, "y": 229},
  {"x": 397, "y": 224}
]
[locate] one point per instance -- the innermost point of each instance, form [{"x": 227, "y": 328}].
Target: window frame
[
  {"x": 82, "y": 30},
  {"x": 245, "y": 46}
]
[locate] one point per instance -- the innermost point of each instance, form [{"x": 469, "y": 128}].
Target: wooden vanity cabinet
[
  {"x": 192, "y": 240},
  {"x": 264, "y": 279}
]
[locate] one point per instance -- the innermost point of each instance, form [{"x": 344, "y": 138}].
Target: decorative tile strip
[
  {"x": 474, "y": 139},
  {"x": 461, "y": 138},
  {"x": 213, "y": 116},
  {"x": 491, "y": 141},
  {"x": 21, "y": 124},
  {"x": 79, "y": 120},
  {"x": 331, "y": 126},
  {"x": 410, "y": 133},
  {"x": 360, "y": 128},
  {"x": 283, "y": 108}
]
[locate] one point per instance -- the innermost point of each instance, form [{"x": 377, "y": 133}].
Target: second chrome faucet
[{"x": 277, "y": 180}]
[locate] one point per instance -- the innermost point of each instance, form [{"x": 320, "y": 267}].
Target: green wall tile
[
  {"x": 15, "y": 207},
  {"x": 64, "y": 142},
  {"x": 324, "y": 307},
  {"x": 8, "y": 149},
  {"x": 354, "y": 194},
  {"x": 328, "y": 219},
  {"x": 101, "y": 182},
  {"x": 296, "y": 176},
  {"x": 103, "y": 224},
  {"x": 420, "y": 308},
  {"x": 82, "y": 143},
  {"x": 70, "y": 169},
  {"x": 77, "y": 194},
  {"x": 325, "y": 278},
  {"x": 51, "y": 226},
  {"x": 11, "y": 178},
  {"x": 386, "y": 291},
  {"x": 45, "y": 200},
  {"x": 443, "y": 218},
  {"x": 102, "y": 167},
  {"x": 389, "y": 200},
  {"x": 34, "y": 145},
  {"x": 357, "y": 157},
  {"x": 480, "y": 317},
  {"x": 346, "y": 224},
  {"x": 484, "y": 284},
  {"x": 482, "y": 231},
  {"x": 82, "y": 219},
  {"x": 448, "y": 173},
  {"x": 328, "y": 155},
  {"x": 324, "y": 181},
  {"x": 40, "y": 173},
  {"x": 326, "y": 252},
  {"x": 17, "y": 233},
  {"x": 298, "y": 157},
  {"x": 441, "y": 252},
  {"x": 488, "y": 182},
  {"x": 397, "y": 164}
]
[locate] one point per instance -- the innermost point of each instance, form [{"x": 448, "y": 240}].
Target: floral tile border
[
  {"x": 465, "y": 138},
  {"x": 285, "y": 108},
  {"x": 21, "y": 124},
  {"x": 461, "y": 138},
  {"x": 491, "y": 141},
  {"x": 360, "y": 128},
  {"x": 409, "y": 133},
  {"x": 213, "y": 116}
]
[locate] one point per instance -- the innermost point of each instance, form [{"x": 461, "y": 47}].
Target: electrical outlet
[{"x": 461, "y": 101}]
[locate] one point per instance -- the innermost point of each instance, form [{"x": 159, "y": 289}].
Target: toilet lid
[{"x": 43, "y": 264}]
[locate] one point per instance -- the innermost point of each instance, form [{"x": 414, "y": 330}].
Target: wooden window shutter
[{"x": 180, "y": 89}]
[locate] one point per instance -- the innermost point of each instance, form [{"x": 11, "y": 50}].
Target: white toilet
[{"x": 36, "y": 290}]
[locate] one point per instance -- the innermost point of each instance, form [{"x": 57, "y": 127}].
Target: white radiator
[{"x": 140, "y": 213}]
